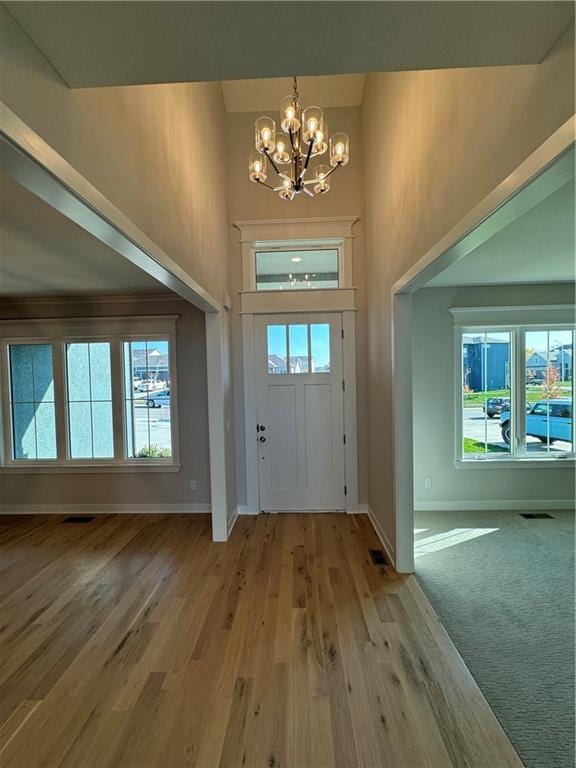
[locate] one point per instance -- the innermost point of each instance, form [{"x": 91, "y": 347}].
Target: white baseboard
[
  {"x": 377, "y": 525},
  {"x": 243, "y": 510},
  {"x": 361, "y": 509},
  {"x": 492, "y": 506},
  {"x": 103, "y": 509}
]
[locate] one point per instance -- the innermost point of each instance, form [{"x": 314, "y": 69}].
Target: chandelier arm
[
  {"x": 308, "y": 154},
  {"x": 272, "y": 163},
  {"x": 264, "y": 184},
  {"x": 330, "y": 172}
]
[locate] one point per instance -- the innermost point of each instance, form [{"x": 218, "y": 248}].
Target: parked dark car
[{"x": 495, "y": 405}]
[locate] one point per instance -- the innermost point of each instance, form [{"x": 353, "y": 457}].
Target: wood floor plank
[{"x": 135, "y": 641}]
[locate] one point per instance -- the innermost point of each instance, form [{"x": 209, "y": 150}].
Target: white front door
[{"x": 300, "y": 409}]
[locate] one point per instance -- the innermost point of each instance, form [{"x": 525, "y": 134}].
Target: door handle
[{"x": 262, "y": 439}]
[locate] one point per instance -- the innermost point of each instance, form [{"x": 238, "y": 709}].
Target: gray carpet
[{"x": 506, "y": 597}]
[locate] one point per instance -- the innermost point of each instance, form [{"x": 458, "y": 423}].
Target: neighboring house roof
[
  {"x": 274, "y": 361},
  {"x": 561, "y": 354},
  {"x": 485, "y": 339},
  {"x": 155, "y": 358},
  {"x": 536, "y": 360}
]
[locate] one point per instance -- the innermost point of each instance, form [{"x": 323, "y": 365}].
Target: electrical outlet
[
  {"x": 427, "y": 482},
  {"x": 193, "y": 485}
]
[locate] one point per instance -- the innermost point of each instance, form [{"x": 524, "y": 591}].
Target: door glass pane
[
  {"x": 549, "y": 382},
  {"x": 486, "y": 396},
  {"x": 277, "y": 349},
  {"x": 298, "y": 346},
  {"x": 148, "y": 413},
  {"x": 296, "y": 269},
  {"x": 88, "y": 374},
  {"x": 32, "y": 401},
  {"x": 320, "y": 347}
]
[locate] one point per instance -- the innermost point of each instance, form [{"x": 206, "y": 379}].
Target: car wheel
[
  {"x": 506, "y": 432},
  {"x": 545, "y": 440},
  {"x": 150, "y": 404}
]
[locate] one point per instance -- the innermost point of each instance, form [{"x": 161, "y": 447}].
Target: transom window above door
[
  {"x": 299, "y": 269},
  {"x": 298, "y": 348}
]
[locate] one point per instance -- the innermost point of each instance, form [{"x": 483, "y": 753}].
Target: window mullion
[
  {"x": 60, "y": 400},
  {"x": 519, "y": 393},
  {"x": 117, "y": 399}
]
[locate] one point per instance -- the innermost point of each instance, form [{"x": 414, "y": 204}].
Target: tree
[{"x": 551, "y": 383}]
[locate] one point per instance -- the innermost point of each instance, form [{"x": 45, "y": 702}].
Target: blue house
[{"x": 486, "y": 363}]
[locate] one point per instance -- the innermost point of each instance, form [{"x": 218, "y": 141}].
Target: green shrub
[{"x": 154, "y": 452}]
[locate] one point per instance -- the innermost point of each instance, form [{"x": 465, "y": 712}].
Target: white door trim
[
  {"x": 250, "y": 410},
  {"x": 446, "y": 251}
]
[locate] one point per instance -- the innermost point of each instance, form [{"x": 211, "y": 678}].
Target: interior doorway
[{"x": 300, "y": 412}]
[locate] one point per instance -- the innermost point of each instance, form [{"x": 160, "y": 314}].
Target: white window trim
[
  {"x": 59, "y": 332},
  {"x": 517, "y": 321},
  {"x": 297, "y": 234}
]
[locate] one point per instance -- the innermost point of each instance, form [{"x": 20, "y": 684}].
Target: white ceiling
[
  {"x": 537, "y": 247},
  {"x": 44, "y": 253},
  {"x": 128, "y": 43},
  {"x": 264, "y": 95}
]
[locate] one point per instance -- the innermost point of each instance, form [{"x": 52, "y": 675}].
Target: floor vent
[
  {"x": 378, "y": 557},
  {"x": 79, "y": 519},
  {"x": 536, "y": 515}
]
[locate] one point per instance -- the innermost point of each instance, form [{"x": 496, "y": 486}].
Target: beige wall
[
  {"x": 125, "y": 487},
  {"x": 247, "y": 201},
  {"x": 436, "y": 143},
  {"x": 157, "y": 152},
  {"x": 435, "y": 403}
]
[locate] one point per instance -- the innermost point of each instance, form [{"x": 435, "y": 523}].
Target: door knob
[{"x": 262, "y": 439}]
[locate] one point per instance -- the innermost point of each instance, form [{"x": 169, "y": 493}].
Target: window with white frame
[
  {"x": 83, "y": 399},
  {"x": 516, "y": 392}
]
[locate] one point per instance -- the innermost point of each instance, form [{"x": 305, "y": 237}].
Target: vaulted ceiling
[{"x": 127, "y": 43}]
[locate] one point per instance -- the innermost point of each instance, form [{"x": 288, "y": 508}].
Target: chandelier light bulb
[
  {"x": 257, "y": 167},
  {"x": 339, "y": 149},
  {"x": 313, "y": 122},
  {"x": 281, "y": 156},
  {"x": 290, "y": 114},
  {"x": 265, "y": 134},
  {"x": 322, "y": 183},
  {"x": 320, "y": 145}
]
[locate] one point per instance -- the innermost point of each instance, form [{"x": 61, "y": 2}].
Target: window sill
[
  {"x": 103, "y": 468},
  {"x": 537, "y": 462}
]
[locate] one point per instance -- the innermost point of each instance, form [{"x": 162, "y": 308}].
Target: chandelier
[{"x": 304, "y": 136}]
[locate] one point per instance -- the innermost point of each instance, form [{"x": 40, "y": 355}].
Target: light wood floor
[{"x": 136, "y": 641}]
